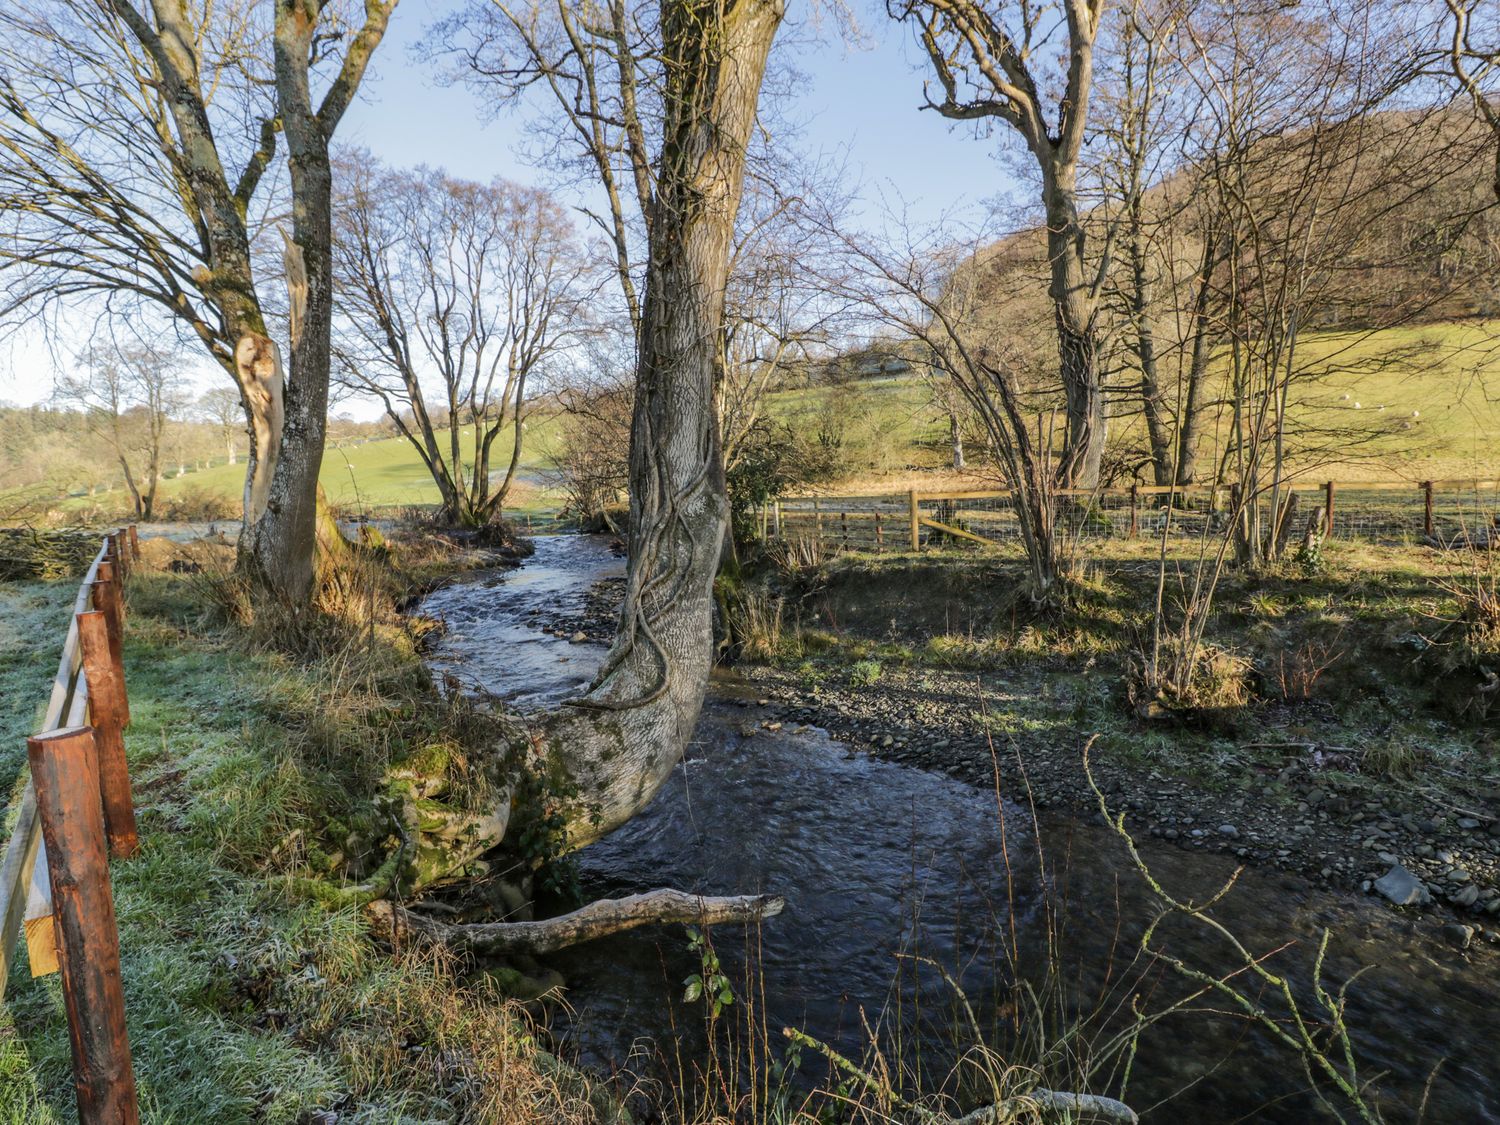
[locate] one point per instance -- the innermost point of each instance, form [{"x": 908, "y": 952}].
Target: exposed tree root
[{"x": 607, "y": 916}]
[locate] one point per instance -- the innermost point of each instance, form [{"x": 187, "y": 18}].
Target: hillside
[
  {"x": 1402, "y": 403},
  {"x": 1410, "y": 403}
]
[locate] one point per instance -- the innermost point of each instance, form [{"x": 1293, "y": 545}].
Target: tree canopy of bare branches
[
  {"x": 128, "y": 396},
  {"x": 985, "y": 56},
  {"x": 456, "y": 300},
  {"x": 135, "y": 141}
]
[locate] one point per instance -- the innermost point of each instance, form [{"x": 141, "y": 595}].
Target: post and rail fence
[
  {"x": 75, "y": 813},
  {"x": 1443, "y": 513}
]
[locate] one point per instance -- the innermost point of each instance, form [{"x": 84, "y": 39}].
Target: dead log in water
[{"x": 597, "y": 919}]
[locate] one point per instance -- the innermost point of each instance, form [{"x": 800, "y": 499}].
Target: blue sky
[
  {"x": 864, "y": 101},
  {"x": 859, "y": 102}
]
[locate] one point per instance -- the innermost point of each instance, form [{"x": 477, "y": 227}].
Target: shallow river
[{"x": 878, "y": 861}]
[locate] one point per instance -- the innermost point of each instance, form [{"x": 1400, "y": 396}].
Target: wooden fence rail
[
  {"x": 1378, "y": 510},
  {"x": 75, "y": 810}
]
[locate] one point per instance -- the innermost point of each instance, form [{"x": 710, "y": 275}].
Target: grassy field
[
  {"x": 1406, "y": 403},
  {"x": 253, "y": 991},
  {"x": 382, "y": 474},
  {"x": 1410, "y": 403}
]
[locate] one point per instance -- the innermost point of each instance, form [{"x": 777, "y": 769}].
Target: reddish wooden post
[
  {"x": 1328, "y": 510},
  {"x": 109, "y": 712},
  {"x": 107, "y": 599},
  {"x": 135, "y": 544},
  {"x": 1427, "y": 521},
  {"x": 1134, "y": 510},
  {"x": 67, "y": 799},
  {"x": 879, "y": 533},
  {"x": 117, "y": 554}
]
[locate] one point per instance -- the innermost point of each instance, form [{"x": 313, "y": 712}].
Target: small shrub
[
  {"x": 754, "y": 621},
  {"x": 864, "y": 673},
  {"x": 1185, "y": 679},
  {"x": 804, "y": 554},
  {"x": 1298, "y": 671},
  {"x": 1263, "y": 604}
]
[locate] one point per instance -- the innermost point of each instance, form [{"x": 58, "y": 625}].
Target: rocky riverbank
[
  {"x": 1283, "y": 796},
  {"x": 1309, "y": 818}
]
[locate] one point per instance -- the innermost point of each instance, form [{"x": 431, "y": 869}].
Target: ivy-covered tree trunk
[
  {"x": 617, "y": 745},
  {"x": 608, "y": 753}
]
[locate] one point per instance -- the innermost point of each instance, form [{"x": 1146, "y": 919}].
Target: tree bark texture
[
  {"x": 279, "y": 548},
  {"x": 1076, "y": 307},
  {"x": 617, "y": 745}
]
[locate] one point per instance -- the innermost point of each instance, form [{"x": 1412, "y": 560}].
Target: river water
[{"x": 879, "y": 862}]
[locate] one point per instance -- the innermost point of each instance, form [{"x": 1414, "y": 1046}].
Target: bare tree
[
  {"x": 143, "y": 191},
  {"x": 128, "y": 396},
  {"x": 604, "y": 85},
  {"x": 456, "y": 299},
  {"x": 943, "y": 295},
  {"x": 985, "y": 56},
  {"x": 615, "y": 746},
  {"x": 778, "y": 309},
  {"x": 1475, "y": 64},
  {"x": 221, "y": 406}
]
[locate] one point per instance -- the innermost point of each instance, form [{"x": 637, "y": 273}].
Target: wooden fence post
[
  {"x": 1134, "y": 510},
  {"x": 1428, "y": 525},
  {"x": 106, "y": 598},
  {"x": 67, "y": 797},
  {"x": 844, "y": 529},
  {"x": 879, "y": 534},
  {"x": 113, "y": 553},
  {"x": 1328, "y": 510},
  {"x": 135, "y": 543},
  {"x": 109, "y": 712},
  {"x": 916, "y": 518}
]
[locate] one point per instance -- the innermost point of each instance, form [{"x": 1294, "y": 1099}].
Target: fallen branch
[
  {"x": 1072, "y": 1106},
  {"x": 607, "y": 916}
]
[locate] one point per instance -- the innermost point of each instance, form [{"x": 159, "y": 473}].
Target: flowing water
[{"x": 877, "y": 860}]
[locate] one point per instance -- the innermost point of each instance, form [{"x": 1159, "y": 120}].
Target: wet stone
[
  {"x": 1466, "y": 897},
  {"x": 1401, "y": 887},
  {"x": 1458, "y": 935}
]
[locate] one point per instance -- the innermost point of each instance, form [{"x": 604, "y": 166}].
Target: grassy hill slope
[{"x": 1411, "y": 403}]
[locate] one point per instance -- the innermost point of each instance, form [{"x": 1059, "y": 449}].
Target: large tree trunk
[
  {"x": 605, "y": 755},
  {"x": 619, "y": 743},
  {"x": 1153, "y": 403},
  {"x": 279, "y": 547},
  {"x": 1075, "y": 311}
]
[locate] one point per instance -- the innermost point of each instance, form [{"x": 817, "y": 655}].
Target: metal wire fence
[{"x": 1386, "y": 512}]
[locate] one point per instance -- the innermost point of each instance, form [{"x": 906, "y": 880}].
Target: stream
[{"x": 881, "y": 864}]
